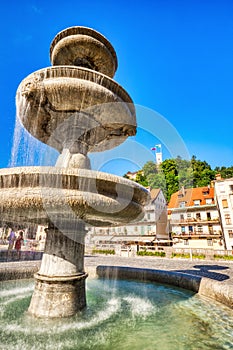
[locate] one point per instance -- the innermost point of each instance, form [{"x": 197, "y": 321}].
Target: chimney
[{"x": 182, "y": 190}]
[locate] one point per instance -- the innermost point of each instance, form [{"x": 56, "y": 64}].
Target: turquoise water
[{"x": 121, "y": 315}]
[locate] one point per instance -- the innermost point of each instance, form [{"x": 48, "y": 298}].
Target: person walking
[
  {"x": 18, "y": 244},
  {"x": 11, "y": 240}
]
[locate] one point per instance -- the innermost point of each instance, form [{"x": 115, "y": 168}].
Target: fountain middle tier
[
  {"x": 68, "y": 104},
  {"x": 64, "y": 195}
]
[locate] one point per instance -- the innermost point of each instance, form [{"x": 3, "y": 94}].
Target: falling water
[{"x": 28, "y": 151}]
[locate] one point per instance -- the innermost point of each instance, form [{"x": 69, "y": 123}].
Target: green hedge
[
  {"x": 187, "y": 256},
  {"x": 145, "y": 253},
  {"x": 198, "y": 256},
  {"x": 224, "y": 257},
  {"x": 179, "y": 255},
  {"x": 103, "y": 251}
]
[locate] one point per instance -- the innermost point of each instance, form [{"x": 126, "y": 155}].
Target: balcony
[
  {"x": 195, "y": 221},
  {"x": 198, "y": 235}
]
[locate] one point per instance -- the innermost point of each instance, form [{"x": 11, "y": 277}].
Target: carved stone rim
[
  {"x": 79, "y": 73},
  {"x": 54, "y": 279},
  {"x": 35, "y": 174}
]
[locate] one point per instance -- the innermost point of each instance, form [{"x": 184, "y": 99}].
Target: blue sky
[{"x": 175, "y": 59}]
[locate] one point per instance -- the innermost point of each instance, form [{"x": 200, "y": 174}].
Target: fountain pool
[{"x": 120, "y": 315}]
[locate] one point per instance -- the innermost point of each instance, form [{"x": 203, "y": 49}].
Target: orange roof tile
[{"x": 189, "y": 195}]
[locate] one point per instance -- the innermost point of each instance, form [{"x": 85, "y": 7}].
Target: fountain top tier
[
  {"x": 83, "y": 47},
  {"x": 74, "y": 106}
]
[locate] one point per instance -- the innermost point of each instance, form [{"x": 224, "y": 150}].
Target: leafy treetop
[{"x": 172, "y": 174}]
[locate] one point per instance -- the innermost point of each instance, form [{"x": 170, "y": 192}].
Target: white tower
[
  {"x": 158, "y": 153},
  {"x": 158, "y": 158}
]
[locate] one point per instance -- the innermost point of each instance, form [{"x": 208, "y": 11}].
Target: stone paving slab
[{"x": 208, "y": 278}]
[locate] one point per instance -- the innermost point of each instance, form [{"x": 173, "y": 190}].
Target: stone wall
[{"x": 26, "y": 255}]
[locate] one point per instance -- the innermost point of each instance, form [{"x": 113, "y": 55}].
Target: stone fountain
[{"x": 75, "y": 107}]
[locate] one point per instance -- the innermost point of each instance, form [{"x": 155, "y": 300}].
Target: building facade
[
  {"x": 194, "y": 219},
  {"x": 153, "y": 224},
  {"x": 224, "y": 200}
]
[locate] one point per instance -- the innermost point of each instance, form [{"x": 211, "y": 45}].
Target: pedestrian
[
  {"x": 11, "y": 240},
  {"x": 18, "y": 244}
]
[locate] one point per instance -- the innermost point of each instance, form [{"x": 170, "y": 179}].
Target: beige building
[
  {"x": 224, "y": 199},
  {"x": 194, "y": 219},
  {"x": 152, "y": 226}
]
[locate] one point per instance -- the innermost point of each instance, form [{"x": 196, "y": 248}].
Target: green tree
[
  {"x": 169, "y": 166},
  {"x": 149, "y": 168},
  {"x": 185, "y": 177},
  {"x": 172, "y": 174},
  {"x": 202, "y": 172},
  {"x": 157, "y": 181},
  {"x": 225, "y": 172},
  {"x": 141, "y": 179}
]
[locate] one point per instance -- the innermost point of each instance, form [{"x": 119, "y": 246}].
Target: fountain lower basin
[{"x": 120, "y": 314}]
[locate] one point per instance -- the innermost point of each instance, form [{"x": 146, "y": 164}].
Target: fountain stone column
[{"x": 60, "y": 282}]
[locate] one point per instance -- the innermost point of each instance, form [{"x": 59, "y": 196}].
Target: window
[
  {"x": 182, "y": 204},
  {"x": 230, "y": 233},
  {"x": 181, "y": 217},
  {"x": 183, "y": 229},
  {"x": 199, "y": 228},
  {"x": 148, "y": 216},
  {"x": 222, "y": 188},
  {"x": 190, "y": 229},
  {"x": 198, "y": 216},
  {"x": 205, "y": 193},
  {"x": 209, "y": 242},
  {"x": 197, "y": 202},
  {"x": 228, "y": 219},
  {"x": 211, "y": 230},
  {"x": 186, "y": 242},
  {"x": 224, "y": 203},
  {"x": 208, "y": 200},
  {"x": 208, "y": 216}
]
